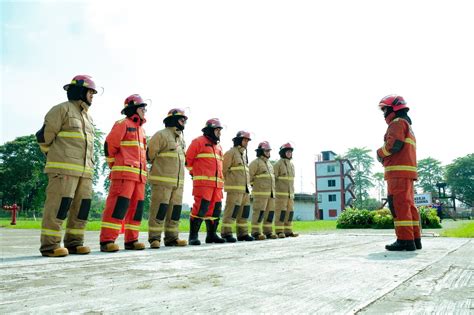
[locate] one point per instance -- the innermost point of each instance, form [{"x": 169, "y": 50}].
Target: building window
[
  {"x": 332, "y": 213},
  {"x": 331, "y": 168},
  {"x": 332, "y": 183},
  {"x": 332, "y": 197}
]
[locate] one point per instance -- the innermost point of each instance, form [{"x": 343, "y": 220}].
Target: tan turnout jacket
[
  {"x": 67, "y": 137},
  {"x": 236, "y": 171},
  {"x": 284, "y": 178},
  {"x": 166, "y": 153},
  {"x": 262, "y": 177}
]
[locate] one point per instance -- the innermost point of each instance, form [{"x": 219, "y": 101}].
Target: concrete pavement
[{"x": 342, "y": 273}]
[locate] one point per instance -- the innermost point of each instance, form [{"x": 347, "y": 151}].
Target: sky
[{"x": 309, "y": 72}]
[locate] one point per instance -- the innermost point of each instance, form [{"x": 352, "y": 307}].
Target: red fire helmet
[
  {"x": 176, "y": 112},
  {"x": 213, "y": 123},
  {"x": 134, "y": 100},
  {"x": 82, "y": 80},
  {"x": 396, "y": 102},
  {"x": 287, "y": 146},
  {"x": 264, "y": 145},
  {"x": 242, "y": 134}
]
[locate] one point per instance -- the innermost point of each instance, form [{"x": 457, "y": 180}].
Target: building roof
[{"x": 305, "y": 197}]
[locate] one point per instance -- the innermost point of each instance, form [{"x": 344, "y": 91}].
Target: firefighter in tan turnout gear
[
  {"x": 166, "y": 153},
  {"x": 285, "y": 192},
  {"x": 237, "y": 186},
  {"x": 67, "y": 139},
  {"x": 262, "y": 179}
]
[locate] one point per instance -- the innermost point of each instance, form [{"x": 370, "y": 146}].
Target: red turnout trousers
[
  {"x": 401, "y": 201},
  {"x": 124, "y": 204},
  {"x": 207, "y": 202}
]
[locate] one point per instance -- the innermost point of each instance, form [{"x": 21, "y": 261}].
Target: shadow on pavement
[{"x": 386, "y": 255}]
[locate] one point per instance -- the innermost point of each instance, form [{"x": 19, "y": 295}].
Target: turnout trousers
[
  {"x": 66, "y": 197},
  {"x": 124, "y": 204},
  {"x": 284, "y": 211},
  {"x": 165, "y": 211},
  {"x": 237, "y": 209},
  {"x": 262, "y": 215},
  {"x": 207, "y": 203},
  {"x": 402, "y": 205}
]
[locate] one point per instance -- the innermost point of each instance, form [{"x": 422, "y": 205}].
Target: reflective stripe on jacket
[
  {"x": 236, "y": 170},
  {"x": 125, "y": 150},
  {"x": 284, "y": 178},
  {"x": 166, "y": 153},
  {"x": 67, "y": 137},
  {"x": 204, "y": 162},
  {"x": 399, "y": 150},
  {"x": 262, "y": 177}
]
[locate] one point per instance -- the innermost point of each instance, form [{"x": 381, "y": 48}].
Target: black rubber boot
[
  {"x": 246, "y": 238},
  {"x": 229, "y": 238},
  {"x": 418, "y": 243},
  {"x": 401, "y": 245},
  {"x": 212, "y": 236},
  {"x": 194, "y": 226}
]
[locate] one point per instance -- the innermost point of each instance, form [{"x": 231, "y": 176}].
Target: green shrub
[
  {"x": 382, "y": 219},
  {"x": 354, "y": 218},
  {"x": 429, "y": 218}
]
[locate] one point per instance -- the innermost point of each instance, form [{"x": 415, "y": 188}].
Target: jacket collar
[
  {"x": 136, "y": 120},
  {"x": 80, "y": 105},
  {"x": 241, "y": 149},
  {"x": 175, "y": 131}
]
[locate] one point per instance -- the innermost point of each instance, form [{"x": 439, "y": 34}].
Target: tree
[
  {"x": 362, "y": 162},
  {"x": 98, "y": 154},
  {"x": 380, "y": 184},
  {"x": 23, "y": 181},
  {"x": 22, "y": 164},
  {"x": 460, "y": 177},
  {"x": 430, "y": 172}
]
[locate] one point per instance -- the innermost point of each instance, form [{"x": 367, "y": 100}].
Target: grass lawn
[
  {"x": 298, "y": 226},
  {"x": 466, "y": 229}
]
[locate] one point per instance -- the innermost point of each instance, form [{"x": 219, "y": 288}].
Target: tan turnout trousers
[
  {"x": 237, "y": 209},
  {"x": 284, "y": 212},
  {"x": 165, "y": 210},
  {"x": 262, "y": 215},
  {"x": 66, "y": 197}
]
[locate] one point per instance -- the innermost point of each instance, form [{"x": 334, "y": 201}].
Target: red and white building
[{"x": 333, "y": 185}]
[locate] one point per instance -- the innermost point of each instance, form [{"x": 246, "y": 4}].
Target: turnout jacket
[
  {"x": 166, "y": 155},
  {"x": 67, "y": 139},
  {"x": 284, "y": 178},
  {"x": 398, "y": 153},
  {"x": 236, "y": 170},
  {"x": 262, "y": 177},
  {"x": 204, "y": 162},
  {"x": 125, "y": 150}
]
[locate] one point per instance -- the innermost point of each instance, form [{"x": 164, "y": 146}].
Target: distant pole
[{"x": 301, "y": 190}]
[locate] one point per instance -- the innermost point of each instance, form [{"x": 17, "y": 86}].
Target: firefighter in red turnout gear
[
  {"x": 204, "y": 161},
  {"x": 125, "y": 151},
  {"x": 398, "y": 156}
]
